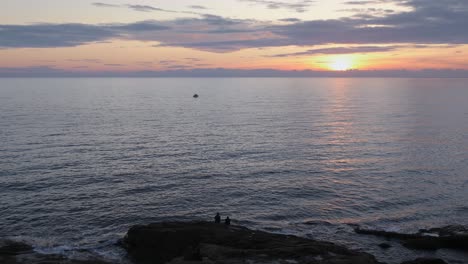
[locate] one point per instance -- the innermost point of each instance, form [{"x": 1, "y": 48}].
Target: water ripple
[{"x": 78, "y": 165}]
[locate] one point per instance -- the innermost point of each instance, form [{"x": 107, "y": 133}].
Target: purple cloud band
[{"x": 428, "y": 22}]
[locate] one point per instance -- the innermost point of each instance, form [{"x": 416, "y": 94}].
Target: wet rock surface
[
  {"x": 452, "y": 237},
  {"x": 425, "y": 261},
  {"x": 12, "y": 248},
  {"x": 385, "y": 245},
  {"x": 202, "y": 242}
]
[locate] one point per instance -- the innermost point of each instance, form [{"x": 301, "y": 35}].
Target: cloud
[
  {"x": 427, "y": 22},
  {"x": 147, "y": 8},
  {"x": 340, "y": 50},
  {"x": 193, "y": 59},
  {"x": 369, "y": 12},
  {"x": 167, "y": 62},
  {"x": 199, "y": 7},
  {"x": 139, "y": 8},
  {"x": 85, "y": 60},
  {"x": 52, "y": 35},
  {"x": 47, "y": 61},
  {"x": 138, "y": 27},
  {"x": 177, "y": 66},
  {"x": 70, "y": 35},
  {"x": 361, "y": 3},
  {"x": 291, "y": 19},
  {"x": 145, "y": 62},
  {"x": 98, "y": 4},
  {"x": 230, "y": 45},
  {"x": 35, "y": 71},
  {"x": 300, "y": 6}
]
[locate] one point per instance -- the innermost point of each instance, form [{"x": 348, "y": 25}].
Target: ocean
[{"x": 82, "y": 160}]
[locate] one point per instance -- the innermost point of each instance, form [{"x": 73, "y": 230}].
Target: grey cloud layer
[
  {"x": 340, "y": 50},
  {"x": 359, "y": 49},
  {"x": 51, "y": 35},
  {"x": 99, "y": 4},
  {"x": 299, "y": 6},
  {"x": 429, "y": 22},
  {"x": 198, "y": 7},
  {"x": 140, "y": 8},
  {"x": 147, "y": 8}
]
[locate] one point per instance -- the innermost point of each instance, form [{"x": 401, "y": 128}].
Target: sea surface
[{"x": 81, "y": 160}]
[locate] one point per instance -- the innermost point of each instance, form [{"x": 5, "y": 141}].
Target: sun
[{"x": 341, "y": 63}]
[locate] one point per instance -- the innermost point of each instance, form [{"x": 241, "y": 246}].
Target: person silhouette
[
  {"x": 227, "y": 221},
  {"x": 217, "y": 218}
]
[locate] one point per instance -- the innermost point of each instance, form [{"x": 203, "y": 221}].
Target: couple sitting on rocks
[{"x": 217, "y": 218}]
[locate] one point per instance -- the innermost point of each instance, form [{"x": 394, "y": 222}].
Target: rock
[
  {"x": 425, "y": 261},
  {"x": 459, "y": 242},
  {"x": 423, "y": 243},
  {"x": 453, "y": 230},
  {"x": 177, "y": 242},
  {"x": 453, "y": 237},
  {"x": 13, "y": 248},
  {"x": 385, "y": 245},
  {"x": 192, "y": 254},
  {"x": 385, "y": 233}
]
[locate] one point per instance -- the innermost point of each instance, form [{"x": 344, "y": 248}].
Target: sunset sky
[{"x": 161, "y": 35}]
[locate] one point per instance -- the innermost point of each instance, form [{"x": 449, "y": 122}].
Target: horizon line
[{"x": 45, "y": 71}]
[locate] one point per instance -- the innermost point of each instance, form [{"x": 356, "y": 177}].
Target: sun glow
[{"x": 341, "y": 63}]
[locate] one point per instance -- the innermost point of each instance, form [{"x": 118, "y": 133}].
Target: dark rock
[
  {"x": 423, "y": 243},
  {"x": 192, "y": 254},
  {"x": 385, "y": 245},
  {"x": 13, "y": 248},
  {"x": 452, "y": 230},
  {"x": 446, "y": 231},
  {"x": 385, "y": 233},
  {"x": 425, "y": 261},
  {"x": 210, "y": 242},
  {"x": 454, "y": 237},
  {"x": 459, "y": 242}
]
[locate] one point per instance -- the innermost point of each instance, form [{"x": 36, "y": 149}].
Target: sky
[{"x": 129, "y": 37}]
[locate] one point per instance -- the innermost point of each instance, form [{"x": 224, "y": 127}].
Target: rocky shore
[
  {"x": 202, "y": 242},
  {"x": 12, "y": 252},
  {"x": 451, "y": 237},
  {"x": 209, "y": 243}
]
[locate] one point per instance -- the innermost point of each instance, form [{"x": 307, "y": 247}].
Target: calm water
[{"x": 83, "y": 159}]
